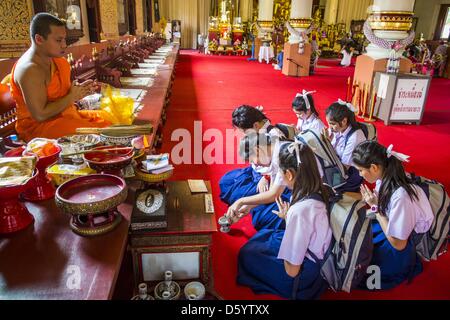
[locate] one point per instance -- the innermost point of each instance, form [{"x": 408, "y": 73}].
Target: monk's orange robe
[{"x": 63, "y": 124}]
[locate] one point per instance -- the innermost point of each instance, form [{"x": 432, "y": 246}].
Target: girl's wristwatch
[{"x": 374, "y": 209}]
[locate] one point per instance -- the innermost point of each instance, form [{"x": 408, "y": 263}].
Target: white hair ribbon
[
  {"x": 400, "y": 156},
  {"x": 348, "y": 105},
  {"x": 304, "y": 95},
  {"x": 260, "y": 108},
  {"x": 295, "y": 147}
]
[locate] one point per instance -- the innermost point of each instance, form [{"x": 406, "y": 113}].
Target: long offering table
[{"x": 49, "y": 261}]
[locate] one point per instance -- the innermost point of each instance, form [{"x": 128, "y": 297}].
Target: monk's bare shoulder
[{"x": 28, "y": 70}]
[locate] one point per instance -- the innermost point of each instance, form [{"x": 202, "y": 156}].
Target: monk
[{"x": 42, "y": 88}]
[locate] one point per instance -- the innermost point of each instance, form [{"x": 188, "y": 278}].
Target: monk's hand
[
  {"x": 99, "y": 86},
  {"x": 79, "y": 91}
]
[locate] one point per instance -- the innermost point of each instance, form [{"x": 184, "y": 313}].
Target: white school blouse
[
  {"x": 312, "y": 123},
  {"x": 344, "y": 151},
  {"x": 307, "y": 227},
  {"x": 260, "y": 169},
  {"x": 406, "y": 215}
]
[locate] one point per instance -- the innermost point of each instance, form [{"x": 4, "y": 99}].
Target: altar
[{"x": 226, "y": 31}]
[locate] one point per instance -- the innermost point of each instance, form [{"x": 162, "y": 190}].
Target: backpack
[
  {"x": 369, "y": 130},
  {"x": 345, "y": 263},
  {"x": 333, "y": 170},
  {"x": 430, "y": 245},
  {"x": 287, "y": 130}
]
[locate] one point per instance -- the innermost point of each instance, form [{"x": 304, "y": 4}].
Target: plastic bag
[{"x": 117, "y": 109}]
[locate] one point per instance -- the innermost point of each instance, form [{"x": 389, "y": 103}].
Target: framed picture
[
  {"x": 187, "y": 262},
  {"x": 68, "y": 11},
  {"x": 356, "y": 26}
]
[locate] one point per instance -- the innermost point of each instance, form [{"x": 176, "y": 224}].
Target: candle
[{"x": 347, "y": 97}]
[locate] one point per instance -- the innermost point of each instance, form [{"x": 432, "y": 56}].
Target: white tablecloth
[{"x": 266, "y": 53}]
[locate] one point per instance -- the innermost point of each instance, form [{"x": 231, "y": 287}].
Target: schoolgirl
[
  {"x": 279, "y": 261},
  {"x": 401, "y": 208}
]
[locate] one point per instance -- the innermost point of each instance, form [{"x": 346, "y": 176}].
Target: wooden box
[{"x": 401, "y": 97}]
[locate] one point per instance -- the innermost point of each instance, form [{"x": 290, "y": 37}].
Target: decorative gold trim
[
  {"x": 91, "y": 208},
  {"x": 265, "y": 23},
  {"x": 394, "y": 22},
  {"x": 301, "y": 22},
  {"x": 393, "y": 12},
  {"x": 157, "y": 240},
  {"x": 92, "y": 232}
]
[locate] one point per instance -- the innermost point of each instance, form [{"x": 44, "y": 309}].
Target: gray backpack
[
  {"x": 333, "y": 170},
  {"x": 432, "y": 244},
  {"x": 345, "y": 264}
]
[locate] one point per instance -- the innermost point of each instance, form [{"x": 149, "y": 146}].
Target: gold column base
[
  {"x": 301, "y": 23},
  {"x": 391, "y": 20},
  {"x": 265, "y": 24}
]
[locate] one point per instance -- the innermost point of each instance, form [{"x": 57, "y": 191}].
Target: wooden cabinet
[{"x": 184, "y": 247}]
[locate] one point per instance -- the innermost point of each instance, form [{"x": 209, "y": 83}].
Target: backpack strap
[{"x": 352, "y": 131}]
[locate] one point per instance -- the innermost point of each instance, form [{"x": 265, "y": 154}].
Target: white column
[
  {"x": 265, "y": 12},
  {"x": 300, "y": 18},
  {"x": 331, "y": 11},
  {"x": 390, "y": 20},
  {"x": 265, "y": 17},
  {"x": 301, "y": 9}
]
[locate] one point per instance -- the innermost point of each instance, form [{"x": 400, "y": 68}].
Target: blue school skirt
[
  {"x": 396, "y": 266},
  {"x": 261, "y": 270},
  {"x": 353, "y": 183},
  {"x": 238, "y": 183},
  {"x": 264, "y": 218}
]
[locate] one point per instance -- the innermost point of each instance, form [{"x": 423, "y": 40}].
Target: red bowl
[
  {"x": 115, "y": 160},
  {"x": 46, "y": 161},
  {"x": 17, "y": 152},
  {"x": 12, "y": 192}
]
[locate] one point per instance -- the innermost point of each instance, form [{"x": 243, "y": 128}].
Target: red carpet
[{"x": 208, "y": 88}]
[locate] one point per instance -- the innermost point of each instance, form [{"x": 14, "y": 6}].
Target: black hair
[
  {"x": 41, "y": 23},
  {"x": 254, "y": 140},
  {"x": 394, "y": 176},
  {"x": 338, "y": 112},
  {"x": 307, "y": 174},
  {"x": 245, "y": 116},
  {"x": 299, "y": 104},
  {"x": 347, "y": 48}
]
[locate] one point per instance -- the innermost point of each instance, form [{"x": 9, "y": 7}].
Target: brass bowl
[{"x": 93, "y": 194}]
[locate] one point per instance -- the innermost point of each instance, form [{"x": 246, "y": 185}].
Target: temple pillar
[
  {"x": 331, "y": 11},
  {"x": 265, "y": 17},
  {"x": 300, "y": 18},
  {"x": 140, "y": 26},
  {"x": 390, "y": 20}
]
